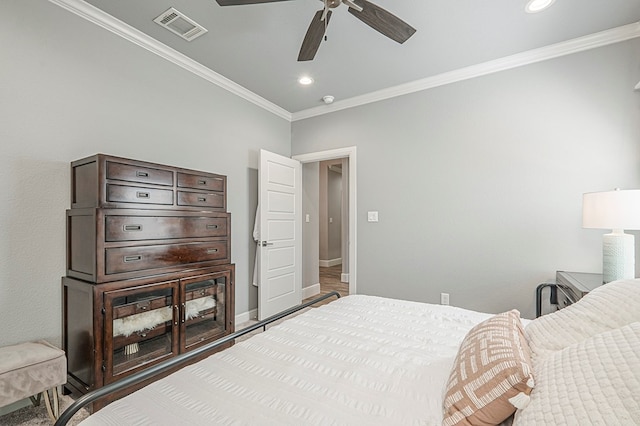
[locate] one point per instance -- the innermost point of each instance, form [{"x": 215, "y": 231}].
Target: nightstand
[{"x": 568, "y": 288}]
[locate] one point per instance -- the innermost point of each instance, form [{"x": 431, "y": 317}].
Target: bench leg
[
  {"x": 35, "y": 400},
  {"x": 54, "y": 411}
]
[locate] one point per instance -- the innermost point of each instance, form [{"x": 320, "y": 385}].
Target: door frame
[{"x": 334, "y": 154}]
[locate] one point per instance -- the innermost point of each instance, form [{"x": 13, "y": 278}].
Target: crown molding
[
  {"x": 569, "y": 47},
  {"x": 108, "y": 22},
  {"x": 592, "y": 41}
]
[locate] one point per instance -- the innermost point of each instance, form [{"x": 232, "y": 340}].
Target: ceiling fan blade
[
  {"x": 313, "y": 38},
  {"x": 243, "y": 2},
  {"x": 383, "y": 21}
]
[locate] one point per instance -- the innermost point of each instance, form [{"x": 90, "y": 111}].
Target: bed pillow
[
  {"x": 492, "y": 374},
  {"x": 596, "y": 381},
  {"x": 608, "y": 307}
]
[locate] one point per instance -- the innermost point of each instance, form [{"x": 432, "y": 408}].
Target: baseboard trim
[
  {"x": 252, "y": 315},
  {"x": 310, "y": 291},
  {"x": 330, "y": 262},
  {"x": 344, "y": 278},
  {"x": 247, "y": 316}
]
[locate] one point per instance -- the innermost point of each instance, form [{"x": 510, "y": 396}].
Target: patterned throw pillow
[{"x": 492, "y": 374}]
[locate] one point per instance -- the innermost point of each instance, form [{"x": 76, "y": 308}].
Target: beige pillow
[{"x": 492, "y": 374}]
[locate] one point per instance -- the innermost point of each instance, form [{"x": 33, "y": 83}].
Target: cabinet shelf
[
  {"x": 203, "y": 330},
  {"x": 142, "y": 336},
  {"x": 151, "y": 350}
]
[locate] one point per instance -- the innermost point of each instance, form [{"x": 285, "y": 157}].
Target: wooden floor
[{"x": 330, "y": 281}]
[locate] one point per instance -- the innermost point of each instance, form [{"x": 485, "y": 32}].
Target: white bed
[
  {"x": 365, "y": 360},
  {"x": 357, "y": 360}
]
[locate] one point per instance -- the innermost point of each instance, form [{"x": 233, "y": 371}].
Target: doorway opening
[
  {"x": 333, "y": 226},
  {"x": 329, "y": 254}
]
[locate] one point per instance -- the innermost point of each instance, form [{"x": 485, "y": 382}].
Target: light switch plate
[{"x": 372, "y": 216}]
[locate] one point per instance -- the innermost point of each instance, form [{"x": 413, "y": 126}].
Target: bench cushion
[{"x": 29, "y": 368}]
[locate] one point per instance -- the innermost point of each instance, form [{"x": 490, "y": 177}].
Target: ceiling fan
[{"x": 376, "y": 17}]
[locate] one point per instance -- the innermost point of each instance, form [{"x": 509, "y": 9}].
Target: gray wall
[
  {"x": 479, "y": 183},
  {"x": 69, "y": 89},
  {"x": 310, "y": 230},
  {"x": 330, "y": 211},
  {"x": 334, "y": 212}
]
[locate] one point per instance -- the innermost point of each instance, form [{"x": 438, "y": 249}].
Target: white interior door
[{"x": 280, "y": 200}]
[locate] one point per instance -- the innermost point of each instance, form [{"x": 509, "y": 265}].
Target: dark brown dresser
[{"x": 149, "y": 273}]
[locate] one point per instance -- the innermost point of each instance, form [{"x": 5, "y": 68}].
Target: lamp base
[{"x": 618, "y": 256}]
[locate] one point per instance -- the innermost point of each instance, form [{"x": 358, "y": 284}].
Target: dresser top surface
[{"x": 582, "y": 281}]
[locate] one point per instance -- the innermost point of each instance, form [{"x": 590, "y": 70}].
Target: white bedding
[{"x": 360, "y": 360}]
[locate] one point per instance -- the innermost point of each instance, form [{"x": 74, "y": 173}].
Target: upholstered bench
[{"x": 29, "y": 370}]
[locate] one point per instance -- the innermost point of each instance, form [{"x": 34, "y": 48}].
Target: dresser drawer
[
  {"x": 139, "y": 228},
  {"x": 129, "y": 259},
  {"x": 134, "y": 173},
  {"x": 197, "y": 199},
  {"x": 139, "y": 195},
  {"x": 207, "y": 183},
  {"x": 106, "y": 181}
]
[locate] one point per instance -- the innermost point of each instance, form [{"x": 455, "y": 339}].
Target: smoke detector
[{"x": 179, "y": 24}]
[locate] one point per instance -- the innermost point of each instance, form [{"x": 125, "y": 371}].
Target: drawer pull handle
[
  {"x": 201, "y": 199},
  {"x": 140, "y": 194},
  {"x": 177, "y": 314},
  {"x": 212, "y": 226},
  {"x": 133, "y": 227},
  {"x": 184, "y": 313},
  {"x": 202, "y": 182},
  {"x": 132, "y": 258},
  {"x": 212, "y": 250},
  {"x": 142, "y": 174}
]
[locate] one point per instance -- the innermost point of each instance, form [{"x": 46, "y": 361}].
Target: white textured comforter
[{"x": 361, "y": 360}]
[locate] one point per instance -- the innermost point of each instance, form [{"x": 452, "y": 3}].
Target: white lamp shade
[{"x": 611, "y": 209}]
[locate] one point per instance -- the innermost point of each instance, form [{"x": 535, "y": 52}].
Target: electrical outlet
[{"x": 444, "y": 298}]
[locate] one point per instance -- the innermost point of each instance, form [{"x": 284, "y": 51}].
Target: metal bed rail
[{"x": 96, "y": 394}]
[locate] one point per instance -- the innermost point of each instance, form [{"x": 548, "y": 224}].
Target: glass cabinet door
[
  {"x": 140, "y": 328},
  {"x": 203, "y": 309}
]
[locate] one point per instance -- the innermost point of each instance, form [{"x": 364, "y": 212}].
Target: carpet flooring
[{"x": 37, "y": 416}]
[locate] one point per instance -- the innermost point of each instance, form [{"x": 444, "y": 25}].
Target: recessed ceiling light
[
  {"x": 305, "y": 80},
  {"x": 534, "y": 6}
]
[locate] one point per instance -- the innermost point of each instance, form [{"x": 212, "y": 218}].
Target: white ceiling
[{"x": 256, "y": 46}]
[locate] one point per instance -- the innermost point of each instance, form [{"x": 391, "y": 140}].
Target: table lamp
[{"x": 616, "y": 210}]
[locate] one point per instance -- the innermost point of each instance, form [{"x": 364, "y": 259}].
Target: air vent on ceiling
[{"x": 178, "y": 23}]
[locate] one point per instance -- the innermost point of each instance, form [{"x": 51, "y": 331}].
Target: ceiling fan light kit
[{"x": 374, "y": 16}]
